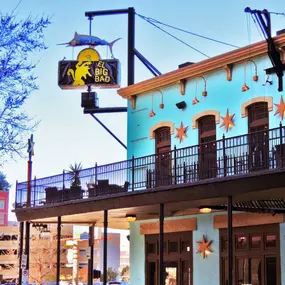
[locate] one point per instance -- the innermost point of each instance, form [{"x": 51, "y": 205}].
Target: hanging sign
[{"x": 79, "y": 74}]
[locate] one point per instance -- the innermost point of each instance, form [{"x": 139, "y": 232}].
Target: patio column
[
  {"x": 21, "y": 233},
  {"x": 105, "y": 247},
  {"x": 161, "y": 251},
  {"x": 230, "y": 241},
  {"x": 58, "y": 250},
  {"x": 91, "y": 256},
  {"x": 27, "y": 244}
]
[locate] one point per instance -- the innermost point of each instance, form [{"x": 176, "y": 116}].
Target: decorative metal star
[
  {"x": 181, "y": 132},
  {"x": 280, "y": 108},
  {"x": 31, "y": 145},
  {"x": 204, "y": 247},
  {"x": 227, "y": 121}
]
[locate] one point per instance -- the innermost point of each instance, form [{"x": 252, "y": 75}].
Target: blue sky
[{"x": 65, "y": 135}]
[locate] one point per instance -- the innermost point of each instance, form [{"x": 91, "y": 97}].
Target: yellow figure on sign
[{"x": 82, "y": 70}]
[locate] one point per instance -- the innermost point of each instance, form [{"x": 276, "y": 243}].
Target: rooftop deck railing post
[
  {"x": 281, "y": 145},
  {"x": 35, "y": 181},
  {"x": 63, "y": 179},
  {"x": 175, "y": 165},
  {"x": 224, "y": 156},
  {"x": 96, "y": 173},
  {"x": 133, "y": 173}
]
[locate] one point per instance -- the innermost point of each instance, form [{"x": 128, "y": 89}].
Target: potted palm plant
[{"x": 74, "y": 175}]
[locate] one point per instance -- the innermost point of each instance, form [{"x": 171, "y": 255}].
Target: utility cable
[
  {"x": 277, "y": 13},
  {"x": 255, "y": 23},
  {"x": 177, "y": 38},
  {"x": 148, "y": 19}
]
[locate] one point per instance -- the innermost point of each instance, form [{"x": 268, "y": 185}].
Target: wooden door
[
  {"x": 163, "y": 157},
  {"x": 207, "y": 147},
  {"x": 258, "y": 136}
]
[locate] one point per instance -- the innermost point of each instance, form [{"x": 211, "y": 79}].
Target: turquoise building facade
[{"x": 233, "y": 82}]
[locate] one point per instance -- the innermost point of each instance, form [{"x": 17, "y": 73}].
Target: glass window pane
[
  {"x": 186, "y": 273},
  {"x": 224, "y": 271},
  {"x": 242, "y": 271},
  {"x": 255, "y": 271},
  {"x": 241, "y": 242},
  {"x": 271, "y": 241},
  {"x": 271, "y": 270},
  {"x": 255, "y": 242},
  {"x": 173, "y": 246},
  {"x": 151, "y": 273}
]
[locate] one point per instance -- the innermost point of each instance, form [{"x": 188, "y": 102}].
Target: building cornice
[{"x": 224, "y": 61}]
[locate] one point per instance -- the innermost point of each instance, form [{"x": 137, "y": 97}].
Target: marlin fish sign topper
[{"x": 84, "y": 40}]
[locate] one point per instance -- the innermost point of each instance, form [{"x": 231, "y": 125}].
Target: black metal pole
[
  {"x": 117, "y": 139},
  {"x": 131, "y": 46},
  {"x": 161, "y": 241},
  {"x": 58, "y": 250},
  {"x": 230, "y": 241},
  {"x": 106, "y": 12},
  {"x": 105, "y": 247},
  {"x": 27, "y": 244},
  {"x": 91, "y": 257},
  {"x": 21, "y": 233}
]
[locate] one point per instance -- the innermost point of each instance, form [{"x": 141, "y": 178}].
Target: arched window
[
  {"x": 258, "y": 121},
  {"x": 257, "y": 117},
  {"x": 163, "y": 156},
  {"x": 207, "y": 147}
]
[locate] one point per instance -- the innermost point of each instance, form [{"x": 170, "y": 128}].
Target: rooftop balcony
[{"x": 239, "y": 156}]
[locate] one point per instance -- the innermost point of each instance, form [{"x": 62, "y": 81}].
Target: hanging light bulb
[
  {"x": 204, "y": 93},
  {"x": 195, "y": 101},
  {"x": 161, "y": 105},
  {"x": 254, "y": 78},
  {"x": 151, "y": 113}
]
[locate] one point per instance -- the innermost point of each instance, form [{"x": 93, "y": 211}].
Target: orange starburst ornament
[
  {"x": 227, "y": 121},
  {"x": 181, "y": 132},
  {"x": 280, "y": 108},
  {"x": 204, "y": 247}
]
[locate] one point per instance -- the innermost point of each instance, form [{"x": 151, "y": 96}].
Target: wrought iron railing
[{"x": 240, "y": 155}]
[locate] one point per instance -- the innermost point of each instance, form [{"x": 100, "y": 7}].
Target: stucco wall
[
  {"x": 137, "y": 255},
  {"x": 222, "y": 94},
  {"x": 211, "y": 264}
]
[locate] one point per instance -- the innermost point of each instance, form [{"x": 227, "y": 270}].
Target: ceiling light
[{"x": 131, "y": 218}]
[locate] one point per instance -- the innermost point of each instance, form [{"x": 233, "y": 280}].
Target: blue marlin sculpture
[{"x": 83, "y": 40}]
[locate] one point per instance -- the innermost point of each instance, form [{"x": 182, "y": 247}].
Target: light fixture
[
  {"x": 39, "y": 226},
  {"x": 204, "y": 93},
  {"x": 161, "y": 105},
  {"x": 254, "y": 78},
  {"x": 181, "y": 105},
  {"x": 195, "y": 101},
  {"x": 131, "y": 218},
  {"x": 205, "y": 210},
  {"x": 151, "y": 113},
  {"x": 45, "y": 234}
]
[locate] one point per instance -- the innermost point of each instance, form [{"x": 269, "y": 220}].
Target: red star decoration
[
  {"x": 280, "y": 108},
  {"x": 204, "y": 247},
  {"x": 181, "y": 132},
  {"x": 227, "y": 121}
]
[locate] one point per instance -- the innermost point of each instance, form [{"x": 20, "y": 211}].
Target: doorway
[{"x": 177, "y": 259}]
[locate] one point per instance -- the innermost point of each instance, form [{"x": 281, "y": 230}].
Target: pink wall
[{"x": 4, "y": 201}]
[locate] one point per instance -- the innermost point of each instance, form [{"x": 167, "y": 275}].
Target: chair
[{"x": 51, "y": 195}]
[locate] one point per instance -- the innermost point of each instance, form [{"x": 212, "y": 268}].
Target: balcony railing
[{"x": 240, "y": 155}]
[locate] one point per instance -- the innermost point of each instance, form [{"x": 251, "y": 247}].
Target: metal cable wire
[
  {"x": 148, "y": 19},
  {"x": 277, "y": 13},
  {"x": 195, "y": 49},
  {"x": 255, "y": 23}
]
